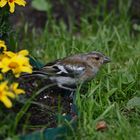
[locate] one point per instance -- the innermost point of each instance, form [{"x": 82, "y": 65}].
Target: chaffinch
[{"x": 68, "y": 72}]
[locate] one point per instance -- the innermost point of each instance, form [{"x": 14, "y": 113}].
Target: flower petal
[
  {"x": 23, "y": 52},
  {"x": 12, "y": 6},
  {"x": 6, "y": 102},
  {"x": 4, "y": 70},
  {"x": 9, "y": 54},
  {"x": 2, "y": 45},
  {"x": 20, "y": 2},
  {"x": 10, "y": 94},
  {"x": 19, "y": 91},
  {"x": 27, "y": 69},
  {"x": 3, "y": 3},
  {"x": 1, "y": 76}
]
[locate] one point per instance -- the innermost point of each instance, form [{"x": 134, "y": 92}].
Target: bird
[{"x": 73, "y": 70}]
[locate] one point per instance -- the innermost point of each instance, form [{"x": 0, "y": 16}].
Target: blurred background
[
  {"x": 77, "y": 18},
  {"x": 38, "y": 12}
]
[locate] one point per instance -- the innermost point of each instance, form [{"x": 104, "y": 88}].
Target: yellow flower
[
  {"x": 14, "y": 88},
  {"x": 1, "y": 76},
  {"x": 11, "y": 3},
  {"x": 5, "y": 94},
  {"x": 3, "y": 46},
  {"x": 17, "y": 62},
  {"x": 12, "y": 54}
]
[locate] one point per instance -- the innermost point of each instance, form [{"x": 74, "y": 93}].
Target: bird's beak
[{"x": 106, "y": 59}]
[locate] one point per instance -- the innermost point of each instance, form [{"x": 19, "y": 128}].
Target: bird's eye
[{"x": 97, "y": 58}]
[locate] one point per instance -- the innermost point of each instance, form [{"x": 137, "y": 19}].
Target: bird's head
[{"x": 96, "y": 59}]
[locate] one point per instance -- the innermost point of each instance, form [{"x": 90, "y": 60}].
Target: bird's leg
[
  {"x": 67, "y": 88},
  {"x": 72, "y": 94}
]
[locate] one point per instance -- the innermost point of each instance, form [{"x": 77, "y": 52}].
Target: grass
[{"x": 108, "y": 94}]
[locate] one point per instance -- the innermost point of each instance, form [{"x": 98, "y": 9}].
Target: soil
[{"x": 47, "y": 107}]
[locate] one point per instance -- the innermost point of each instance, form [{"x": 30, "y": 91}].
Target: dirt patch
[{"x": 47, "y": 108}]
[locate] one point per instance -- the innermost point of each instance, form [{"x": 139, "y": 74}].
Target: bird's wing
[
  {"x": 74, "y": 70},
  {"x": 64, "y": 67},
  {"x": 60, "y": 68}
]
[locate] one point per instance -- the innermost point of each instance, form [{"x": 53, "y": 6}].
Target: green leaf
[
  {"x": 134, "y": 102},
  {"x": 41, "y": 5},
  {"x": 35, "y": 63}
]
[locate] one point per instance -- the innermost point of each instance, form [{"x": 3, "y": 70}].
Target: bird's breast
[{"x": 63, "y": 80}]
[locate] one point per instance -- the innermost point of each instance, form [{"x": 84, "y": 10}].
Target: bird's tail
[{"x": 37, "y": 73}]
